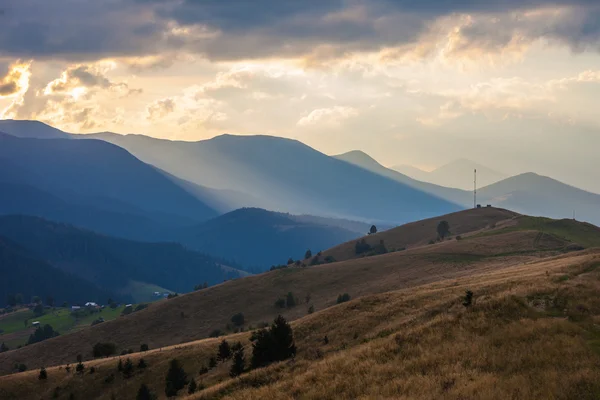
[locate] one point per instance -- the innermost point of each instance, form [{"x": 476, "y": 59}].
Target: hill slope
[
  {"x": 418, "y": 342},
  {"x": 285, "y": 175},
  {"x": 206, "y": 310},
  {"x": 258, "y": 238},
  {"x": 111, "y": 263},
  {"x": 31, "y": 129},
  {"x": 97, "y": 175},
  {"x": 24, "y": 273},
  {"x": 539, "y": 195},
  {"x": 365, "y": 161}
]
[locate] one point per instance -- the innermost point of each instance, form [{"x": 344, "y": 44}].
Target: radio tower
[{"x": 475, "y": 189}]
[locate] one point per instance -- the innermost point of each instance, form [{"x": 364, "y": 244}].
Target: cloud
[
  {"x": 160, "y": 109},
  {"x": 16, "y": 80},
  {"x": 240, "y": 29},
  {"x": 327, "y": 116}
]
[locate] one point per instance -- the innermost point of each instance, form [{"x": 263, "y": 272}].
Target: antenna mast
[{"x": 475, "y": 189}]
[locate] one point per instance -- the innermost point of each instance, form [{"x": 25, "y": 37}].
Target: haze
[{"x": 512, "y": 85}]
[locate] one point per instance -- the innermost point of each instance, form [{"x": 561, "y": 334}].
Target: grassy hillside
[
  {"x": 196, "y": 315},
  {"x": 111, "y": 263},
  {"x": 421, "y": 232},
  {"x": 16, "y": 326},
  {"x": 419, "y": 342},
  {"x": 23, "y": 272}
]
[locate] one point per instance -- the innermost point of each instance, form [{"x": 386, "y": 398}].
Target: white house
[
  {"x": 91, "y": 304},
  {"x": 75, "y": 308},
  {"x": 35, "y": 323}
]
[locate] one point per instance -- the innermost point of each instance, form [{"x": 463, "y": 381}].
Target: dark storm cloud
[{"x": 231, "y": 29}]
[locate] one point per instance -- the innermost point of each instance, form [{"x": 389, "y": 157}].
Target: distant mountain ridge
[
  {"x": 456, "y": 174},
  {"x": 258, "y": 238},
  {"x": 86, "y": 181},
  {"x": 286, "y": 175},
  {"x": 112, "y": 264},
  {"x": 26, "y": 274}
]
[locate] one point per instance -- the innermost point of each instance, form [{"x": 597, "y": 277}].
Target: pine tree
[
  {"x": 283, "y": 339},
  {"x": 192, "y": 387},
  {"x": 128, "y": 369},
  {"x": 80, "y": 368},
  {"x": 43, "y": 374},
  {"x": 120, "y": 365},
  {"x": 142, "y": 364},
  {"x": 3, "y": 347},
  {"x": 239, "y": 363},
  {"x": 145, "y": 393},
  {"x": 212, "y": 362},
  {"x": 176, "y": 378},
  {"x": 224, "y": 351},
  {"x": 290, "y": 300}
]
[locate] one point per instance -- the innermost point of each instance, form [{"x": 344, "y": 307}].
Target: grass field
[
  {"x": 584, "y": 234},
  {"x": 531, "y": 332},
  {"x": 414, "y": 343},
  {"x": 16, "y": 327}
]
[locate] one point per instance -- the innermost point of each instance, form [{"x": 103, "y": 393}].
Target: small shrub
[
  {"x": 212, "y": 362},
  {"x": 216, "y": 333},
  {"x": 142, "y": 364},
  {"x": 120, "y": 365},
  {"x": 20, "y": 367},
  {"x": 468, "y": 299},
  {"x": 192, "y": 387},
  {"x": 290, "y": 301},
  {"x": 280, "y": 303},
  {"x": 459, "y": 237},
  {"x": 224, "y": 352},
  {"x": 92, "y": 370},
  {"x": 239, "y": 363},
  {"x": 128, "y": 369},
  {"x": 238, "y": 319},
  {"x": 80, "y": 368},
  {"x": 342, "y": 298},
  {"x": 311, "y": 309},
  {"x": 110, "y": 378},
  {"x": 43, "y": 374},
  {"x": 144, "y": 393},
  {"x": 144, "y": 347},
  {"x": 329, "y": 260}
]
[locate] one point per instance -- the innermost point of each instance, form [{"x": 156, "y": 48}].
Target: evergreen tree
[
  {"x": 224, "y": 351},
  {"x": 290, "y": 301},
  {"x": 142, "y": 364},
  {"x": 43, "y": 374},
  {"x": 3, "y": 347},
  {"x": 239, "y": 363},
  {"x": 145, "y": 393},
  {"x": 80, "y": 368},
  {"x": 192, "y": 387},
  {"x": 373, "y": 230},
  {"x": 120, "y": 365},
  {"x": 128, "y": 369},
  {"x": 212, "y": 362},
  {"x": 283, "y": 339},
  {"x": 144, "y": 347},
  {"x": 443, "y": 229},
  {"x": 275, "y": 344},
  {"x": 308, "y": 254},
  {"x": 238, "y": 319},
  {"x": 176, "y": 378}
]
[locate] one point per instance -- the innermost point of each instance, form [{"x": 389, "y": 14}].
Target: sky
[{"x": 511, "y": 84}]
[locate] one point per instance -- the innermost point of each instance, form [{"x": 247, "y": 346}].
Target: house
[
  {"x": 157, "y": 294},
  {"x": 75, "y": 308},
  {"x": 91, "y": 304},
  {"x": 35, "y": 323}
]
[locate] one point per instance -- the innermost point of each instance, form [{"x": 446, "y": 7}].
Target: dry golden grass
[
  {"x": 162, "y": 323},
  {"x": 419, "y": 233},
  {"x": 531, "y": 334}
]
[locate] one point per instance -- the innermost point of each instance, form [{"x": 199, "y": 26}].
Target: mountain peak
[{"x": 31, "y": 129}]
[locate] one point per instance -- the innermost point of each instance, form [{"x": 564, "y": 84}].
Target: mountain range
[{"x": 456, "y": 174}]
